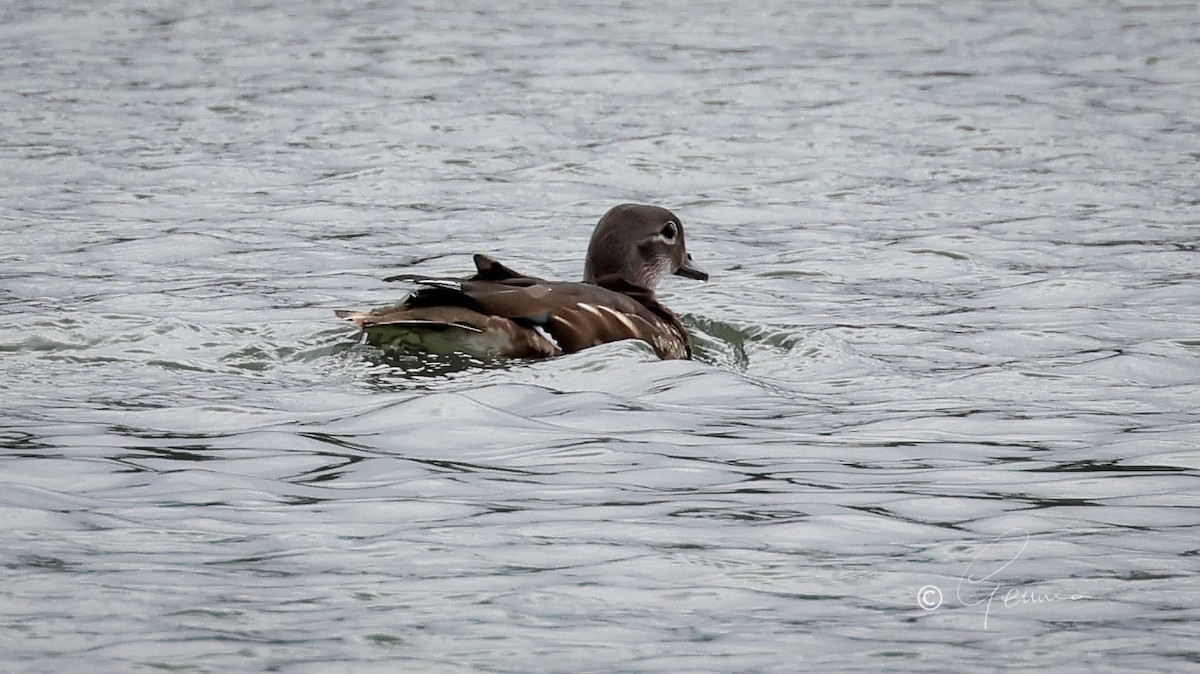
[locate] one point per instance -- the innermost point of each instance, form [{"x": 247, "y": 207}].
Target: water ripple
[{"x": 948, "y": 351}]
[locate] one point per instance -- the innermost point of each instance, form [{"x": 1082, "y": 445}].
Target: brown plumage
[{"x": 499, "y": 312}]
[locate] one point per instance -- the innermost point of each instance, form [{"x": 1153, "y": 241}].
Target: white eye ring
[{"x": 669, "y": 231}]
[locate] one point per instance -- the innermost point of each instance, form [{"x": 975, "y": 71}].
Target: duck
[{"x": 500, "y": 313}]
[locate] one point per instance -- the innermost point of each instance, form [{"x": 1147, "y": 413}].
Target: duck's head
[{"x": 640, "y": 245}]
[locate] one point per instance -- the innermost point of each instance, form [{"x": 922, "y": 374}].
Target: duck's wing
[
  {"x": 448, "y": 315},
  {"x": 574, "y": 315}
]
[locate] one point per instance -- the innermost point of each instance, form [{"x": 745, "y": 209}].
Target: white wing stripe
[{"x": 623, "y": 318}]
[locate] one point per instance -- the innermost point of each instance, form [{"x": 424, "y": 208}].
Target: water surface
[{"x": 944, "y": 415}]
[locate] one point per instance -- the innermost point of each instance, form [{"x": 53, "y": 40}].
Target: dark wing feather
[{"x": 488, "y": 269}]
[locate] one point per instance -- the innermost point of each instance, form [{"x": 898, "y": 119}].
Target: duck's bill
[{"x": 690, "y": 270}]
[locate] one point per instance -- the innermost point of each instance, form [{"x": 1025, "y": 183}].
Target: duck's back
[{"x": 500, "y": 313}]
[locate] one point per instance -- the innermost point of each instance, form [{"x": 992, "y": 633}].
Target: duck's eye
[{"x": 670, "y": 230}]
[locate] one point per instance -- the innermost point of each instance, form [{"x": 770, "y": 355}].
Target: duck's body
[{"x": 501, "y": 313}]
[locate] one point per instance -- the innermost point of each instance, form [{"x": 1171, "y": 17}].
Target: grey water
[{"x": 945, "y": 414}]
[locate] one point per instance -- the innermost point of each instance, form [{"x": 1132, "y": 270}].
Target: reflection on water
[{"x": 943, "y": 413}]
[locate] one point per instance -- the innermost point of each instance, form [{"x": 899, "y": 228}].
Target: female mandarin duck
[{"x": 501, "y": 313}]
